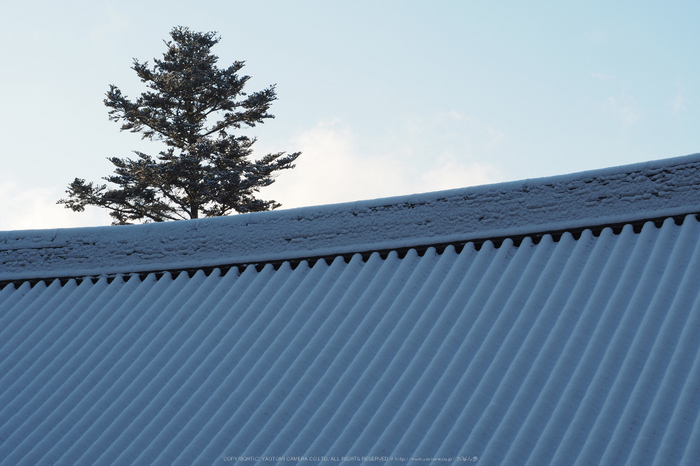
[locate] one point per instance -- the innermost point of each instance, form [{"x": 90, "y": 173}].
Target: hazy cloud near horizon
[
  {"x": 336, "y": 167},
  {"x": 32, "y": 208}
]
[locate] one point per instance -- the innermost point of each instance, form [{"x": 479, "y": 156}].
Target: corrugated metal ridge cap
[{"x": 611, "y": 196}]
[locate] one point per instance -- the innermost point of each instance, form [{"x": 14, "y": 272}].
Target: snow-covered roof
[
  {"x": 610, "y": 196},
  {"x": 578, "y": 347}
]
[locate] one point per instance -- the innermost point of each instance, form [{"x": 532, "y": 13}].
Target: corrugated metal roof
[{"x": 579, "y": 351}]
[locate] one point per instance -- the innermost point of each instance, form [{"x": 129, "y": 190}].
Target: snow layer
[{"x": 615, "y": 195}]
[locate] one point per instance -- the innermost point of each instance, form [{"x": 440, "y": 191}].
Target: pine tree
[{"x": 193, "y": 107}]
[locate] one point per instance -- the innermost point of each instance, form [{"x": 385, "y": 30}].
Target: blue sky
[{"x": 384, "y": 98}]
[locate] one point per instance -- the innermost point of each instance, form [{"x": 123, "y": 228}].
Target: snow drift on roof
[{"x": 615, "y": 195}]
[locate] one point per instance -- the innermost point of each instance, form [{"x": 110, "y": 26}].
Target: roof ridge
[
  {"x": 611, "y": 196},
  {"x": 536, "y": 237}
]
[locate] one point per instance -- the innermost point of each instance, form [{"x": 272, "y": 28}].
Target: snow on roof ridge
[{"x": 656, "y": 189}]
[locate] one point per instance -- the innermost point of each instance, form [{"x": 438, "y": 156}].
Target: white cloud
[
  {"x": 333, "y": 168},
  {"x": 330, "y": 170},
  {"x": 603, "y": 76},
  {"x": 36, "y": 208},
  {"x": 678, "y": 104},
  {"x": 623, "y": 108},
  {"x": 449, "y": 173}
]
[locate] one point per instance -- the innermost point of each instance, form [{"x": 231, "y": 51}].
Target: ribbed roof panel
[{"x": 576, "y": 351}]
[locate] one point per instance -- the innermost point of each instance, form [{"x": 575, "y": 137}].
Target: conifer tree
[{"x": 194, "y": 108}]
